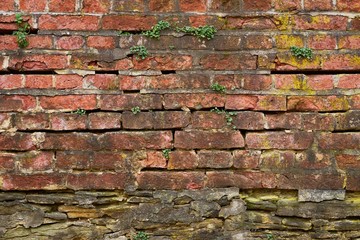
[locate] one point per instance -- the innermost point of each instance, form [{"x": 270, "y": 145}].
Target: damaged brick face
[{"x": 228, "y": 136}]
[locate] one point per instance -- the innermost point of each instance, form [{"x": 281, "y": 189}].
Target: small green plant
[
  {"x": 218, "y": 88},
  {"x": 203, "y": 32},
  {"x": 302, "y": 52},
  {"x": 166, "y": 153},
  {"x": 171, "y": 47},
  {"x": 270, "y": 236},
  {"x": 22, "y": 32},
  {"x": 141, "y": 236},
  {"x": 135, "y": 110},
  {"x": 228, "y": 116},
  {"x": 139, "y": 51},
  {"x": 154, "y": 32},
  {"x": 123, "y": 33},
  {"x": 80, "y": 112}
]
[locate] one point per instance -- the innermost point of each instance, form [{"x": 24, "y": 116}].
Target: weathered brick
[
  {"x": 164, "y": 62},
  {"x": 16, "y": 142},
  {"x": 352, "y": 183},
  {"x": 315, "y": 121},
  {"x": 154, "y": 159},
  {"x": 108, "y": 161},
  {"x": 348, "y": 161},
  {"x": 104, "y": 120},
  {"x": 10, "y": 81},
  {"x": 341, "y": 61},
  {"x": 16, "y": 103},
  {"x": 193, "y": 101},
  {"x": 355, "y": 102},
  {"x": 228, "y": 62},
  {"x": 70, "y": 42},
  {"x": 196, "y": 139},
  {"x": 170, "y": 180},
  {"x": 348, "y": 5},
  {"x": 48, "y": 181},
  {"x": 284, "y": 5},
  {"x": 250, "y": 5},
  {"x": 246, "y": 159},
  {"x": 350, "y": 81},
  {"x": 171, "y": 119},
  {"x": 257, "y": 42},
  {"x": 312, "y": 160},
  {"x": 8, "y": 42},
  {"x": 320, "y": 22},
  {"x": 283, "y": 121},
  {"x": 7, "y": 162},
  {"x": 277, "y": 161},
  {"x": 142, "y": 120},
  {"x": 96, "y": 181},
  {"x": 128, "y": 22},
  {"x": 101, "y": 81},
  {"x": 36, "y": 161},
  {"x": 317, "y": 103},
  {"x": 181, "y": 159},
  {"x": 128, "y": 6},
  {"x": 98, "y": 6},
  {"x": 249, "y": 120},
  {"x": 355, "y": 23},
  {"x": 262, "y": 102},
  {"x": 348, "y": 121},
  {"x": 279, "y": 140},
  {"x": 67, "y": 22},
  {"x": 7, "y": 5},
  {"x": 32, "y": 121},
  {"x": 96, "y": 62},
  {"x": 320, "y": 82},
  {"x": 67, "y": 121},
  {"x": 228, "y": 81},
  {"x": 311, "y": 181},
  {"x": 136, "y": 140},
  {"x": 38, "y": 62},
  {"x": 320, "y": 5},
  {"x": 257, "y": 82},
  {"x": 286, "y": 41},
  {"x": 225, "y": 6},
  {"x": 208, "y": 120},
  {"x": 322, "y": 42},
  {"x": 68, "y": 81},
  {"x": 5, "y": 121},
  {"x": 162, "y": 5},
  {"x": 349, "y": 42},
  {"x": 39, "y": 81},
  {"x": 70, "y": 141},
  {"x": 338, "y": 141},
  {"x": 72, "y": 160},
  {"x": 101, "y": 42},
  {"x": 40, "y": 42},
  {"x": 32, "y": 5},
  {"x": 68, "y": 102},
  {"x": 192, "y": 6},
  {"x": 128, "y": 101},
  {"x": 214, "y": 159},
  {"x": 62, "y": 5}
]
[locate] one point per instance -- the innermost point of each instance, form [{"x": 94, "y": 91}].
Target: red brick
[
  {"x": 289, "y": 81},
  {"x": 271, "y": 103},
  {"x": 142, "y": 120},
  {"x": 313, "y": 160},
  {"x": 16, "y": 103},
  {"x": 284, "y": 5},
  {"x": 249, "y": 120},
  {"x": 128, "y": 22},
  {"x": 5, "y": 121},
  {"x": 257, "y": 82},
  {"x": 67, "y": 121},
  {"x": 66, "y": 22},
  {"x": 68, "y": 102},
  {"x": 7, "y": 5},
  {"x": 352, "y": 183},
  {"x": 62, "y": 5},
  {"x": 246, "y": 159},
  {"x": 228, "y": 62},
  {"x": 10, "y": 81},
  {"x": 101, "y": 81},
  {"x": 283, "y": 121},
  {"x": 32, "y": 121},
  {"x": 16, "y": 142},
  {"x": 171, "y": 119},
  {"x": 36, "y": 161},
  {"x": 129, "y": 6},
  {"x": 355, "y": 102},
  {"x": 348, "y": 5},
  {"x": 277, "y": 161},
  {"x": 265, "y": 103},
  {"x": 103, "y": 120},
  {"x": 241, "y": 102},
  {"x": 73, "y": 160},
  {"x": 96, "y": 62},
  {"x": 314, "y": 121},
  {"x": 257, "y": 42},
  {"x": 243, "y": 180},
  {"x": 349, "y": 42},
  {"x": 339, "y": 141},
  {"x": 136, "y": 140},
  {"x": 228, "y": 81},
  {"x": 318, "y": 103},
  {"x": 101, "y": 42},
  {"x": 128, "y": 101},
  {"x": 154, "y": 159},
  {"x": 192, "y": 6},
  {"x": 208, "y": 120},
  {"x": 285, "y": 61},
  {"x": 162, "y": 5},
  {"x": 170, "y": 180},
  {"x": 38, "y": 81},
  {"x": 108, "y": 161},
  {"x": 355, "y": 23},
  {"x": 98, "y": 6},
  {"x": 322, "y": 42},
  {"x": 133, "y": 82},
  {"x": 214, "y": 159},
  {"x": 70, "y": 141},
  {"x": 181, "y": 159},
  {"x": 7, "y": 162},
  {"x": 32, "y": 5},
  {"x": 164, "y": 62},
  {"x": 348, "y": 161},
  {"x": 348, "y": 121},
  {"x": 286, "y": 41},
  {"x": 8, "y": 42},
  {"x": 320, "y": 82},
  {"x": 311, "y": 181},
  {"x": 38, "y": 62},
  {"x": 39, "y": 42},
  {"x": 251, "y": 5},
  {"x": 196, "y": 139},
  {"x": 351, "y": 81},
  {"x": 320, "y": 5},
  {"x": 279, "y": 140},
  {"x": 320, "y": 22},
  {"x": 7, "y": 22},
  {"x": 341, "y": 61},
  {"x": 70, "y": 42},
  {"x": 225, "y": 6},
  {"x": 96, "y": 181},
  {"x": 48, "y": 181},
  {"x": 68, "y": 81},
  {"x": 193, "y": 101}
]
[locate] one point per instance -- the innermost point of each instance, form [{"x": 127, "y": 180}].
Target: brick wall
[{"x": 231, "y": 137}]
